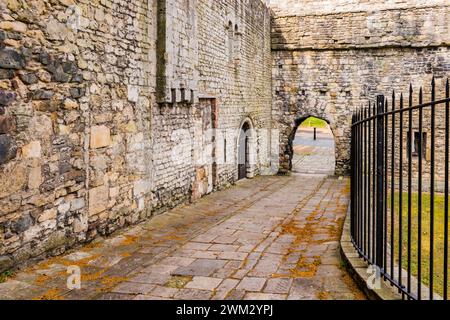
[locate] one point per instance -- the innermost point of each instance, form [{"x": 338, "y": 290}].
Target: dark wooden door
[{"x": 243, "y": 155}]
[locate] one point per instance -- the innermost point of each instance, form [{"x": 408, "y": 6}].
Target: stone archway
[
  {"x": 312, "y": 147},
  {"x": 295, "y": 113}
]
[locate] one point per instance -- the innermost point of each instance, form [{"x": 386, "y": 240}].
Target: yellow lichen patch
[
  {"x": 303, "y": 269},
  {"x": 129, "y": 240},
  {"x": 52, "y": 294},
  {"x": 323, "y": 295},
  {"x": 110, "y": 282},
  {"x": 178, "y": 282},
  {"x": 93, "y": 276},
  {"x": 42, "y": 279},
  {"x": 91, "y": 246},
  {"x": 125, "y": 254}
]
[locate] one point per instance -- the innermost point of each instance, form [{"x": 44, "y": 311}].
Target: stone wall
[
  {"x": 200, "y": 117},
  {"x": 107, "y": 107},
  {"x": 326, "y": 64}
]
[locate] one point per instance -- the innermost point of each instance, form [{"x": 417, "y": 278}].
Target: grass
[
  {"x": 313, "y": 122},
  {"x": 438, "y": 243}
]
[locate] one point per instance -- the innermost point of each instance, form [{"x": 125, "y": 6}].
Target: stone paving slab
[{"x": 266, "y": 238}]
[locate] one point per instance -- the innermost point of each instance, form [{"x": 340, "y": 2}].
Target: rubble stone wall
[
  {"x": 329, "y": 60},
  {"x": 106, "y": 107}
]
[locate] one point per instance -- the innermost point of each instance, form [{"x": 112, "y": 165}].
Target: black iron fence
[{"x": 400, "y": 189}]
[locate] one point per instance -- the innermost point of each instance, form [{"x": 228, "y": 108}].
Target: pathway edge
[{"x": 357, "y": 268}]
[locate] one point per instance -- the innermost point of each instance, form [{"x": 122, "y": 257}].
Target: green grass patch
[
  {"x": 313, "y": 122},
  {"x": 438, "y": 242}
]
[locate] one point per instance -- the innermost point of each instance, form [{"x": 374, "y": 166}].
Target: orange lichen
[
  {"x": 323, "y": 295},
  {"x": 52, "y": 294},
  {"x": 93, "y": 276},
  {"x": 129, "y": 240}
]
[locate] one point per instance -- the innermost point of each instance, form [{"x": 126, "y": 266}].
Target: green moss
[{"x": 5, "y": 275}]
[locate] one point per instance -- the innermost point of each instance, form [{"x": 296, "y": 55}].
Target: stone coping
[{"x": 357, "y": 268}]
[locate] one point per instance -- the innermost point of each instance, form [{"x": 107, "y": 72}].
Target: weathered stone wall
[
  {"x": 106, "y": 108},
  {"x": 235, "y": 66},
  {"x": 77, "y": 80},
  {"x": 326, "y": 64},
  {"x": 208, "y": 93}
]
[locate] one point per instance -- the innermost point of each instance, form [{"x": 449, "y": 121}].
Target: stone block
[
  {"x": 7, "y": 148},
  {"x": 251, "y": 284},
  {"x": 7, "y": 97},
  {"x": 35, "y": 178},
  {"x": 13, "y": 26},
  {"x": 77, "y": 204},
  {"x": 133, "y": 93},
  {"x": 81, "y": 224},
  {"x": 100, "y": 137},
  {"x": 56, "y": 30},
  {"x": 6, "y": 124},
  {"x": 32, "y": 150},
  {"x": 70, "y": 104},
  {"x": 48, "y": 215},
  {"x": 5, "y": 263},
  {"x": 204, "y": 283},
  {"x": 29, "y": 78},
  {"x": 98, "y": 200},
  {"x": 42, "y": 94},
  {"x": 22, "y": 224},
  {"x": 11, "y": 59},
  {"x": 6, "y": 74}
]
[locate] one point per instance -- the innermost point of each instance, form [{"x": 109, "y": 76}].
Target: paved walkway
[
  {"x": 314, "y": 156},
  {"x": 266, "y": 238}
]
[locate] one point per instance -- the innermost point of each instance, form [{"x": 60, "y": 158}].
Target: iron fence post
[{"x": 380, "y": 182}]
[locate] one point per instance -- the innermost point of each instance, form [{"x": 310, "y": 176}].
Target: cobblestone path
[{"x": 266, "y": 238}]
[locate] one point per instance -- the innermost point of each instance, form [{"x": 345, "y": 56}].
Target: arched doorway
[
  {"x": 244, "y": 151},
  {"x": 313, "y": 147}
]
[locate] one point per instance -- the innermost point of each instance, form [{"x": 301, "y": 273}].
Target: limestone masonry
[{"x": 112, "y": 111}]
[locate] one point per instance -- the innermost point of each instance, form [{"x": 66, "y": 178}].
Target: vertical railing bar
[
  {"x": 354, "y": 169},
  {"x": 419, "y": 202},
  {"x": 410, "y": 135},
  {"x": 379, "y": 226},
  {"x": 447, "y": 160},
  {"x": 355, "y": 174},
  {"x": 366, "y": 200},
  {"x": 400, "y": 197},
  {"x": 361, "y": 172},
  {"x": 374, "y": 179},
  {"x": 392, "y": 185},
  {"x": 432, "y": 179},
  {"x": 369, "y": 186},
  {"x": 385, "y": 190}
]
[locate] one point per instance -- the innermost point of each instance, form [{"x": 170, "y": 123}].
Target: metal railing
[{"x": 400, "y": 190}]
